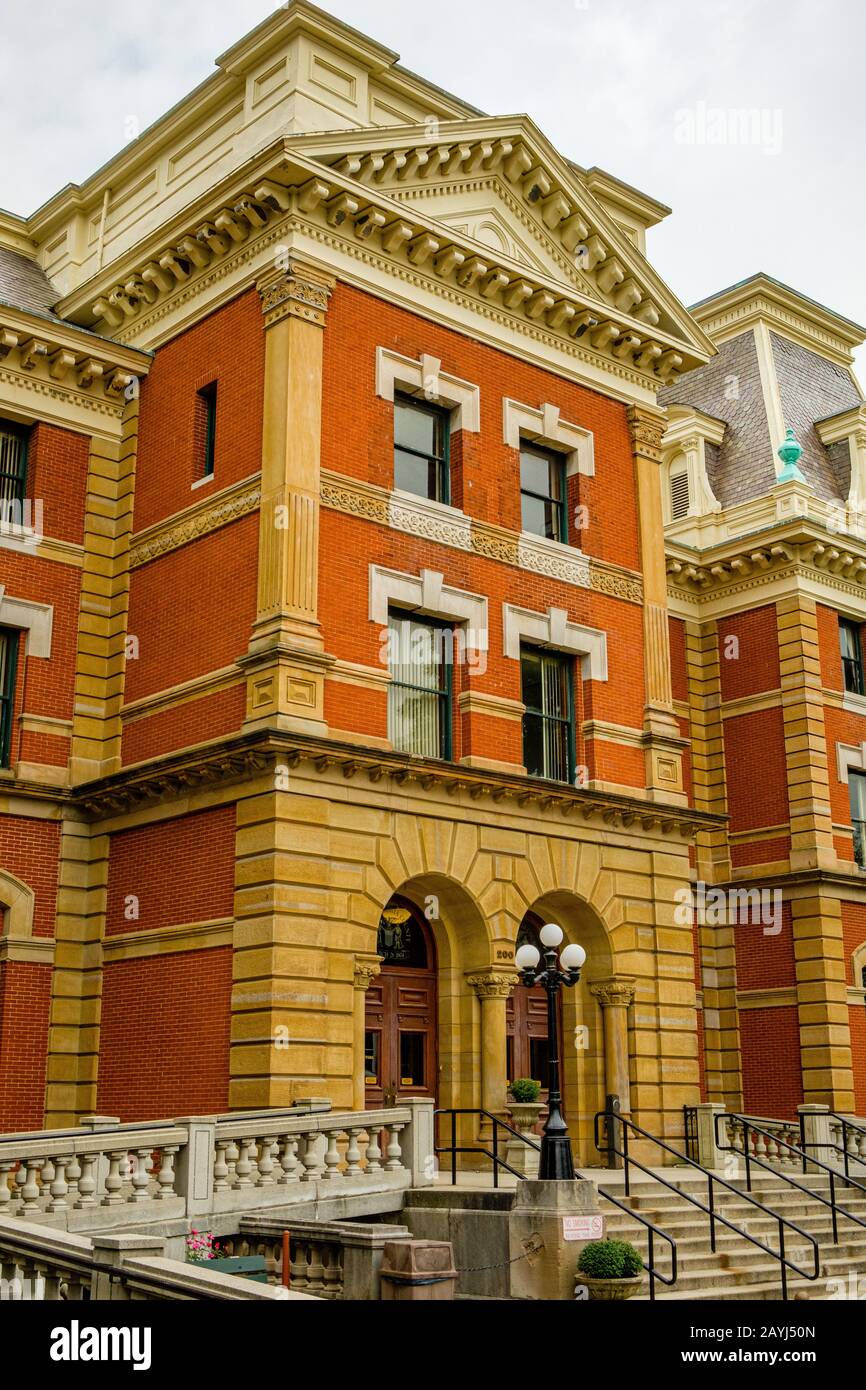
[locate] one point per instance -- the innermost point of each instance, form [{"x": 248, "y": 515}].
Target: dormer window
[{"x": 680, "y": 499}]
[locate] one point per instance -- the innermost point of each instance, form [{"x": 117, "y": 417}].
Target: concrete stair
[{"x": 738, "y": 1269}]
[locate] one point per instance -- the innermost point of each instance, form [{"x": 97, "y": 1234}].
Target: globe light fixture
[{"x": 556, "y": 1161}]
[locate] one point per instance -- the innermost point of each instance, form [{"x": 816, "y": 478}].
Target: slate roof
[{"x": 24, "y": 284}]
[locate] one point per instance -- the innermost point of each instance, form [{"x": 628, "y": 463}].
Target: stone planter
[
  {"x": 606, "y": 1290},
  {"x": 523, "y": 1116}
]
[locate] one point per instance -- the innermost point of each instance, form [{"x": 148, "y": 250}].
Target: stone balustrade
[
  {"x": 48, "y": 1265},
  {"x": 330, "y": 1259},
  {"x": 769, "y": 1143},
  {"x": 109, "y": 1176}
]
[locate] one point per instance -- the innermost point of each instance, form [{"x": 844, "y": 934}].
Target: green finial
[{"x": 789, "y": 453}]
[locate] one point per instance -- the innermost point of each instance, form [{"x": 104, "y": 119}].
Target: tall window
[
  {"x": 8, "y": 653},
  {"x": 548, "y": 724},
  {"x": 419, "y": 696},
  {"x": 857, "y": 795},
  {"x": 852, "y": 656},
  {"x": 13, "y": 468},
  {"x": 543, "y": 493},
  {"x": 205, "y": 429},
  {"x": 421, "y": 449}
]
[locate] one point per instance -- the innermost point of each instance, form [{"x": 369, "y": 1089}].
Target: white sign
[{"x": 583, "y": 1228}]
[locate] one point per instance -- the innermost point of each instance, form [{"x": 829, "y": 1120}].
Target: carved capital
[
  {"x": 366, "y": 970},
  {"x": 295, "y": 290},
  {"x": 493, "y": 984},
  {"x": 647, "y": 425},
  {"x": 614, "y": 994}
]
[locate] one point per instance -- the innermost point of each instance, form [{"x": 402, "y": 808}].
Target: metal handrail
[
  {"x": 749, "y": 1125},
  {"x": 454, "y": 1149},
  {"x": 839, "y": 1148},
  {"x": 712, "y": 1178}
]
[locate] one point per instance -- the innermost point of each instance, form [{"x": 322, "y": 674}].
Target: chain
[{"x": 476, "y": 1269}]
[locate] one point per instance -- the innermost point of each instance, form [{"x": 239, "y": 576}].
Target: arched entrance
[{"x": 401, "y": 1009}]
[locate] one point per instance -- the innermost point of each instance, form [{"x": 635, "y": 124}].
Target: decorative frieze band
[{"x": 232, "y": 504}]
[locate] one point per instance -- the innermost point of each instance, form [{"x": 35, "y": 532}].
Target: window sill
[
  {"x": 854, "y": 704},
  {"x": 200, "y": 482},
  {"x": 532, "y": 538},
  {"x": 399, "y": 494}
]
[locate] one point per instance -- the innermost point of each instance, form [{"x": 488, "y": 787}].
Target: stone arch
[{"x": 17, "y": 902}]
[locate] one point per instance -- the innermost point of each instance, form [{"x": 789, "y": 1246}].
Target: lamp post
[{"x": 555, "y": 1161}]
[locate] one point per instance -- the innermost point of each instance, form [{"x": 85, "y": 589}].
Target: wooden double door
[{"x": 400, "y": 1054}]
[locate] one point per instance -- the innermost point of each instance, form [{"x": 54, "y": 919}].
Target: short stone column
[
  {"x": 540, "y": 1229},
  {"x": 116, "y": 1250},
  {"x": 615, "y": 997},
  {"x": 366, "y": 970},
  {"x": 417, "y": 1140},
  {"x": 493, "y": 988},
  {"x": 195, "y": 1164},
  {"x": 709, "y": 1153},
  {"x": 819, "y": 1140}
]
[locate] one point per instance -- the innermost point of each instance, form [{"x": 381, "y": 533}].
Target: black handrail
[
  {"x": 839, "y": 1148},
  {"x": 454, "y": 1150},
  {"x": 749, "y": 1126},
  {"x": 712, "y": 1178}
]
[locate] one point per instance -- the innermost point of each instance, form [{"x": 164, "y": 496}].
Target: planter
[
  {"x": 606, "y": 1290},
  {"x": 522, "y": 1157},
  {"x": 247, "y": 1266}
]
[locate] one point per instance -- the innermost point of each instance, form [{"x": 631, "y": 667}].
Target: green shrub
[
  {"x": 523, "y": 1089},
  {"x": 609, "y": 1259}
]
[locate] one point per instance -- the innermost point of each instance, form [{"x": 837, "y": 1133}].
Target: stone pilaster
[
  {"x": 822, "y": 1002},
  {"x": 286, "y": 662},
  {"x": 662, "y": 740},
  {"x": 805, "y": 742},
  {"x": 493, "y": 988},
  {"x": 366, "y": 970},
  {"x": 615, "y": 997}
]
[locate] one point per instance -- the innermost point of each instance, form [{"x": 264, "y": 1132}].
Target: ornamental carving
[
  {"x": 355, "y": 501},
  {"x": 190, "y": 528},
  {"x": 293, "y": 292},
  {"x": 416, "y": 521},
  {"x": 647, "y": 429},
  {"x": 623, "y": 586},
  {"x": 492, "y": 985},
  {"x": 614, "y": 993},
  {"x": 366, "y": 972}
]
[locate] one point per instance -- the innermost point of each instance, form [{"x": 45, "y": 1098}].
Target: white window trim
[
  {"x": 848, "y": 756},
  {"x": 37, "y": 620},
  {"x": 428, "y": 595},
  {"x": 552, "y": 629},
  {"x": 424, "y": 378},
  {"x": 545, "y": 427},
  {"x": 17, "y": 901}
]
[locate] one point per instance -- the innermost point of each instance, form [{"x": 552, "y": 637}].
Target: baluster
[
  {"x": 113, "y": 1181},
  {"x": 141, "y": 1176},
  {"x": 395, "y": 1153},
  {"x": 374, "y": 1153},
  {"x": 73, "y": 1173},
  {"x": 266, "y": 1163},
  {"x": 288, "y": 1160},
  {"x": 315, "y": 1269},
  {"x": 30, "y": 1187},
  {"x": 47, "y": 1176},
  {"x": 759, "y": 1145},
  {"x": 166, "y": 1175},
  {"x": 735, "y": 1135},
  {"x": 313, "y": 1166},
  {"x": 6, "y": 1204},
  {"x": 59, "y": 1186},
  {"x": 244, "y": 1167},
  {"x": 220, "y": 1167},
  {"x": 332, "y": 1155},
  {"x": 87, "y": 1182},
  {"x": 353, "y": 1155}
]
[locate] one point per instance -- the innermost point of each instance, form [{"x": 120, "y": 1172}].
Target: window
[
  {"x": 679, "y": 496},
  {"x": 13, "y": 469},
  {"x": 857, "y": 795},
  {"x": 852, "y": 656},
  {"x": 419, "y": 696},
  {"x": 422, "y": 449},
  {"x": 543, "y": 493},
  {"x": 8, "y": 655},
  {"x": 205, "y": 429},
  {"x": 548, "y": 724}
]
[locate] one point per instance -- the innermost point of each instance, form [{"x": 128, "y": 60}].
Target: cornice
[
  {"x": 762, "y": 299},
  {"x": 250, "y": 755},
  {"x": 797, "y": 549}
]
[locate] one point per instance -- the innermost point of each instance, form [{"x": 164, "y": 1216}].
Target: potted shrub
[
  {"x": 524, "y": 1108},
  {"x": 609, "y": 1269}
]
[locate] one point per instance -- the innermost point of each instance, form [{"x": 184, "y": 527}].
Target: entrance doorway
[{"x": 401, "y": 1008}]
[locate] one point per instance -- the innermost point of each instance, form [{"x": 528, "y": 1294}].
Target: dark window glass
[
  {"x": 372, "y": 1053},
  {"x": 539, "y": 1055},
  {"x": 13, "y": 471},
  {"x": 852, "y": 656},
  {"x": 412, "y": 1049},
  {"x": 548, "y": 724},
  {"x": 857, "y": 795},
  {"x": 8, "y": 654},
  {"x": 542, "y": 493},
  {"x": 421, "y": 449},
  {"x": 205, "y": 429},
  {"x": 419, "y": 695}
]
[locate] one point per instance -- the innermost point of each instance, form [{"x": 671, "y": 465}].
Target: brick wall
[
  {"x": 749, "y": 653},
  {"x": 25, "y": 997},
  {"x": 179, "y": 870},
  {"x": 854, "y": 935},
  {"x": 756, "y": 770},
  {"x": 29, "y": 851},
  {"x": 772, "y": 1077}
]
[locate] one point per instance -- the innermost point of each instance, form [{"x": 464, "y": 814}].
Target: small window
[
  {"x": 679, "y": 496},
  {"x": 422, "y": 449},
  {"x": 372, "y": 1053},
  {"x": 412, "y": 1049},
  {"x": 543, "y": 493},
  {"x": 8, "y": 655},
  {"x": 13, "y": 469},
  {"x": 419, "y": 695},
  {"x": 548, "y": 724},
  {"x": 852, "y": 656},
  {"x": 205, "y": 429},
  {"x": 857, "y": 796}
]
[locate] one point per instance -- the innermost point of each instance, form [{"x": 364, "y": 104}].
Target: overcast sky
[{"x": 648, "y": 89}]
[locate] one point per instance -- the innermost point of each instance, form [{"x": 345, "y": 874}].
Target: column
[
  {"x": 662, "y": 739},
  {"x": 493, "y": 988},
  {"x": 366, "y": 970},
  {"x": 286, "y": 662},
  {"x": 615, "y": 996}
]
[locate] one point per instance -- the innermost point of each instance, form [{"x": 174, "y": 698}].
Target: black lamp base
[{"x": 555, "y": 1162}]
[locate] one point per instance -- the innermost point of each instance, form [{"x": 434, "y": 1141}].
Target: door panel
[{"x": 400, "y": 1037}]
